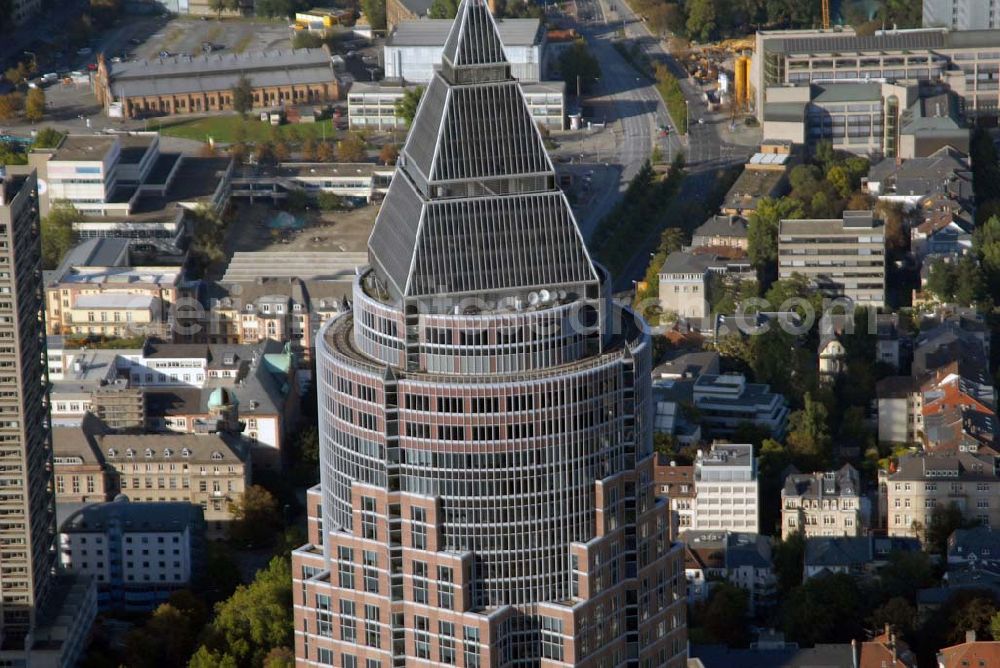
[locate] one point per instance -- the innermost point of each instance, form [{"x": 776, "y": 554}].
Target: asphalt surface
[{"x": 706, "y": 150}]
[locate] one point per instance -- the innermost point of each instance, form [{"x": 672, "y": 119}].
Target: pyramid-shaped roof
[{"x": 474, "y": 206}]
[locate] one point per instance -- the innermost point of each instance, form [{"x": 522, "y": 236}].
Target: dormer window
[
  {"x": 185, "y": 452},
  {"x": 167, "y": 452},
  {"x": 149, "y": 453},
  {"x": 112, "y": 452},
  {"x": 216, "y": 455},
  {"x": 130, "y": 453}
]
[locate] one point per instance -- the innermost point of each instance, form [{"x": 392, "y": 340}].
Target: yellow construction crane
[{"x": 826, "y": 14}]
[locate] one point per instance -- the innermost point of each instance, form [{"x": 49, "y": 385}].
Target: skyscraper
[
  {"x": 27, "y": 513},
  {"x": 486, "y": 494}
]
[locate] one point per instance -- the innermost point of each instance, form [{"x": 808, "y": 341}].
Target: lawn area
[{"x": 223, "y": 129}]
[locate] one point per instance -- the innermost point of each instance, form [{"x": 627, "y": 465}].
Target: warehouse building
[{"x": 184, "y": 84}]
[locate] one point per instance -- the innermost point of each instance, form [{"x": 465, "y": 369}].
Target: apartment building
[
  {"x": 726, "y": 493},
  {"x": 44, "y": 618},
  {"x": 80, "y": 473},
  {"x": 209, "y": 470},
  {"x": 676, "y": 484},
  {"x": 96, "y": 278},
  {"x": 741, "y": 559},
  {"x": 825, "y": 503},
  {"x": 138, "y": 553},
  {"x": 922, "y": 482},
  {"x": 843, "y": 258},
  {"x": 721, "y": 230}
]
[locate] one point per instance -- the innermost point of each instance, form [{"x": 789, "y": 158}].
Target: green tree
[
  {"x": 443, "y": 9},
  {"x": 762, "y": 230},
  {"x": 57, "y": 233},
  {"x": 579, "y": 68},
  {"x": 256, "y": 619},
  {"x": 840, "y": 180},
  {"x": 723, "y": 616},
  {"x": 824, "y": 609},
  {"x": 897, "y": 240},
  {"x": 824, "y": 155},
  {"x": 328, "y": 201},
  {"x": 47, "y": 138},
  {"x": 306, "y": 40},
  {"x": 352, "y": 148},
  {"x": 809, "y": 434},
  {"x": 942, "y": 279},
  {"x": 406, "y": 106},
  {"x": 297, "y": 200},
  {"x": 944, "y": 521},
  {"x": 905, "y": 573},
  {"x": 206, "y": 658},
  {"x": 11, "y": 105},
  {"x": 34, "y": 106},
  {"x": 243, "y": 96},
  {"x": 256, "y": 517},
  {"x": 898, "y": 613},
  {"x": 280, "y": 657},
  {"x": 701, "y": 19},
  {"x": 219, "y": 6},
  {"x": 788, "y": 555},
  {"x": 374, "y": 10},
  {"x": 389, "y": 154}
]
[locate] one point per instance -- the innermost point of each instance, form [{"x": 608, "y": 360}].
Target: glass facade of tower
[{"x": 486, "y": 492}]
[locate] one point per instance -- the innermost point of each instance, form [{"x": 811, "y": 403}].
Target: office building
[
  {"x": 726, "y": 402},
  {"x": 825, "y": 503},
  {"x": 726, "y": 494},
  {"x": 373, "y": 105},
  {"x": 961, "y": 14},
  {"x": 413, "y": 51},
  {"x": 842, "y": 258},
  {"x": 123, "y": 186},
  {"x": 33, "y": 600},
  {"x": 965, "y": 62},
  {"x": 895, "y": 119},
  {"x": 437, "y": 542},
  {"x": 138, "y": 553}
]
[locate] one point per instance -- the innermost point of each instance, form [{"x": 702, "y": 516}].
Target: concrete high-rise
[
  {"x": 486, "y": 493},
  {"x": 27, "y": 513}
]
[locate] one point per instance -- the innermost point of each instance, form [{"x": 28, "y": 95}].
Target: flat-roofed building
[
  {"x": 965, "y": 61},
  {"x": 726, "y": 402},
  {"x": 961, "y": 14},
  {"x": 726, "y": 494},
  {"x": 138, "y": 553},
  {"x": 373, "y": 105},
  {"x": 185, "y": 84},
  {"x": 414, "y": 49},
  {"x": 842, "y": 257}
]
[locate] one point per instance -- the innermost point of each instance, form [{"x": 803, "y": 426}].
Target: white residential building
[{"x": 726, "y": 489}]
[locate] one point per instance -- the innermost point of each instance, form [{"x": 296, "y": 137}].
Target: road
[{"x": 706, "y": 146}]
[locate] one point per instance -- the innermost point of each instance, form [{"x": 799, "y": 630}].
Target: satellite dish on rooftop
[
  {"x": 545, "y": 296},
  {"x": 533, "y": 298}
]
